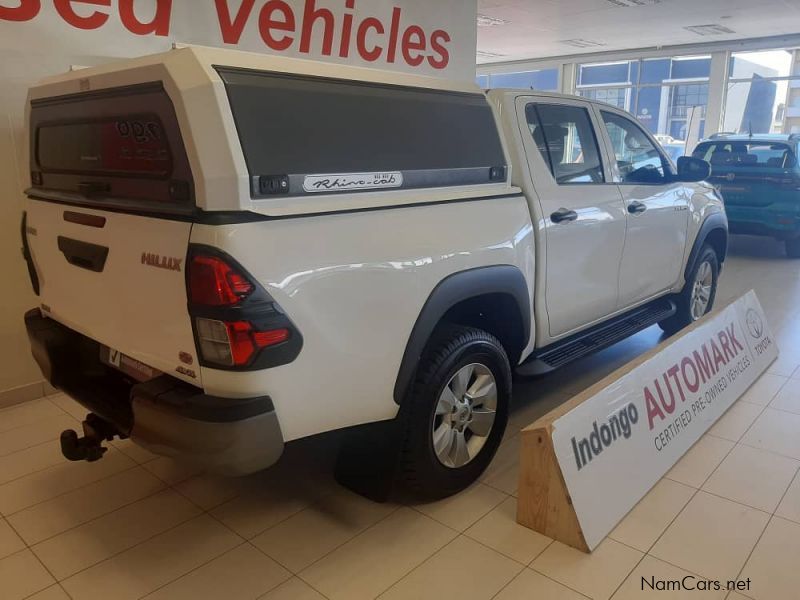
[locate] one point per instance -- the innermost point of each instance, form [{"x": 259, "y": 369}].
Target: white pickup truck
[{"x": 233, "y": 251}]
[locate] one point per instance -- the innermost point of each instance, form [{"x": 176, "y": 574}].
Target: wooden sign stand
[
  {"x": 544, "y": 501},
  {"x": 544, "y": 504}
]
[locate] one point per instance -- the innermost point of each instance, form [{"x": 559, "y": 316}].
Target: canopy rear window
[
  {"x": 324, "y": 135},
  {"x": 124, "y": 145},
  {"x": 119, "y": 147},
  {"x": 735, "y": 154}
]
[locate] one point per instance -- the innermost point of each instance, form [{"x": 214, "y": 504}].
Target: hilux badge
[{"x": 161, "y": 262}]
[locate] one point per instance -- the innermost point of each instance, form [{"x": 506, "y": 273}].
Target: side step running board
[{"x": 601, "y": 336}]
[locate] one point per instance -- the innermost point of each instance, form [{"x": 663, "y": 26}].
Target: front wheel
[
  {"x": 793, "y": 248},
  {"x": 455, "y": 416},
  {"x": 697, "y": 297}
]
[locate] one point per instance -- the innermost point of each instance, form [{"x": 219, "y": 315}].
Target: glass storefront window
[
  {"x": 683, "y": 97},
  {"x": 544, "y": 80},
  {"x": 756, "y": 106},
  {"x": 618, "y": 97},
  {"x": 655, "y": 70},
  {"x": 605, "y": 73},
  {"x": 691, "y": 67},
  {"x": 762, "y": 93},
  {"x": 660, "y": 92},
  {"x": 767, "y": 63}
]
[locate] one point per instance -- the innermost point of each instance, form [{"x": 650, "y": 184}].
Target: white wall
[{"x": 44, "y": 37}]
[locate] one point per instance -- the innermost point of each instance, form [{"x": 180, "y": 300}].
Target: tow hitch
[{"x": 89, "y": 447}]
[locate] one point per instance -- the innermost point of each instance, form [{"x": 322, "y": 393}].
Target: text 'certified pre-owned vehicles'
[
  {"x": 759, "y": 178},
  {"x": 233, "y": 251}
]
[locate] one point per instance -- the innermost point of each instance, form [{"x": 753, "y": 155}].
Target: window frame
[
  {"x": 669, "y": 171},
  {"x": 587, "y": 108}
]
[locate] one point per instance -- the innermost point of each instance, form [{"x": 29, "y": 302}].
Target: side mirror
[{"x": 692, "y": 169}]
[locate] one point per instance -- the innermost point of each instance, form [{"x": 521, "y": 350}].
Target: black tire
[
  {"x": 684, "y": 316},
  {"x": 793, "y": 248},
  {"x": 451, "y": 348}
]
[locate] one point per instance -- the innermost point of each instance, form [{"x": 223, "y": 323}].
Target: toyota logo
[
  {"x": 754, "y": 324},
  {"x": 731, "y": 176}
]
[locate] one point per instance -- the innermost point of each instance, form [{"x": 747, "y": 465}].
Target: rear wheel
[
  {"x": 697, "y": 297},
  {"x": 456, "y": 413},
  {"x": 793, "y": 248}
]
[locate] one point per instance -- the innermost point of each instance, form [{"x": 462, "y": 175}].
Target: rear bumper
[
  {"x": 780, "y": 224},
  {"x": 169, "y": 417}
]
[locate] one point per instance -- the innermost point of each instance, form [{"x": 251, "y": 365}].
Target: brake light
[
  {"x": 213, "y": 282},
  {"x": 233, "y": 344}
]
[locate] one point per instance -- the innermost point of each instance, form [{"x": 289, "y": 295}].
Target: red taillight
[
  {"x": 213, "y": 282},
  {"x": 270, "y": 338},
  {"x": 245, "y": 341},
  {"x": 233, "y": 344}
]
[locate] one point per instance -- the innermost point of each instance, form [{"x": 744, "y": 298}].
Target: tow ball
[{"x": 90, "y": 448}]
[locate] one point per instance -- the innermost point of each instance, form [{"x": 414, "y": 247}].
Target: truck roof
[
  {"x": 495, "y": 92},
  {"x": 208, "y": 58},
  {"x": 756, "y": 137}
]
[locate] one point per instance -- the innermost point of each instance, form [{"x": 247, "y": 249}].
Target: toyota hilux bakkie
[{"x": 233, "y": 251}]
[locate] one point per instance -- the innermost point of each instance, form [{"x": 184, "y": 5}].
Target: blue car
[{"x": 759, "y": 178}]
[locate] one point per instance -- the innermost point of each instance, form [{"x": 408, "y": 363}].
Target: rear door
[
  {"x": 107, "y": 222},
  {"x": 583, "y": 214}
]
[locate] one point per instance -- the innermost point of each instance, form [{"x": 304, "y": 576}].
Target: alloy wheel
[
  {"x": 701, "y": 290},
  {"x": 465, "y": 415}
]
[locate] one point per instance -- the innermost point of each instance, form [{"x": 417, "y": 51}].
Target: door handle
[
  {"x": 636, "y": 208},
  {"x": 563, "y": 215},
  {"x": 83, "y": 254}
]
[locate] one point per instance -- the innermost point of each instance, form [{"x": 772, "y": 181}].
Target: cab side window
[
  {"x": 638, "y": 159},
  {"x": 566, "y": 139}
]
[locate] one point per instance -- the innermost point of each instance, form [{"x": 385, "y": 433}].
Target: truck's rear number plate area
[{"x": 130, "y": 366}]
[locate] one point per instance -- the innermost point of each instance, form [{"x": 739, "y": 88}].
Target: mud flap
[{"x": 368, "y": 460}]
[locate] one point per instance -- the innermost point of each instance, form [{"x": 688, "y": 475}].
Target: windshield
[{"x": 731, "y": 154}]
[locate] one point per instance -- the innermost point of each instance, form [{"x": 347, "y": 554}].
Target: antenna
[{"x": 750, "y": 127}]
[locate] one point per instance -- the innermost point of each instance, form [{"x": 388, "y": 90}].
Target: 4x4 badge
[{"x": 162, "y": 262}]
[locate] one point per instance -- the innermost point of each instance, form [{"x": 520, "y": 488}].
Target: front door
[
  {"x": 583, "y": 216},
  {"x": 657, "y": 211}
]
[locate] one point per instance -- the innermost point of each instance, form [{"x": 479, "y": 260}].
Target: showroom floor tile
[
  {"x": 652, "y": 570},
  {"x": 789, "y": 508},
  {"x": 499, "y": 530},
  {"x": 773, "y": 563},
  {"x": 135, "y": 525},
  {"x": 753, "y": 477},
  {"x": 595, "y": 575},
  {"x": 712, "y": 536},
  {"x": 464, "y": 569},
  {"x": 700, "y": 461},
  {"x": 655, "y": 512}
]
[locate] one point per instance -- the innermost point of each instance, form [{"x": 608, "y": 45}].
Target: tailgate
[
  {"x": 106, "y": 226},
  {"x": 755, "y": 188},
  {"x": 121, "y": 283}
]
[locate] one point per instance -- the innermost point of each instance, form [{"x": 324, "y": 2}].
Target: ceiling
[{"x": 534, "y": 29}]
